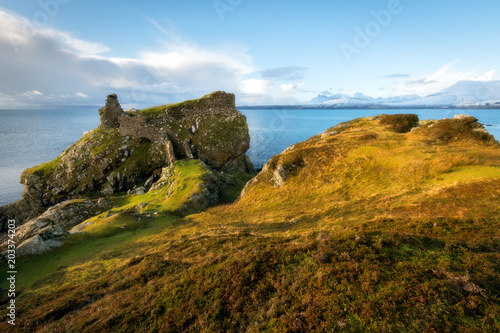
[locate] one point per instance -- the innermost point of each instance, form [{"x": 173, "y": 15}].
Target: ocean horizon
[{"x": 30, "y": 137}]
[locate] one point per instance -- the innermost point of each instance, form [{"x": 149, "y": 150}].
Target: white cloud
[
  {"x": 21, "y": 32},
  {"x": 82, "y": 95},
  {"x": 267, "y": 92},
  {"x": 32, "y": 93},
  {"x": 190, "y": 66},
  {"x": 439, "y": 80},
  {"x": 258, "y": 87},
  {"x": 6, "y": 98},
  {"x": 291, "y": 88},
  {"x": 60, "y": 65}
]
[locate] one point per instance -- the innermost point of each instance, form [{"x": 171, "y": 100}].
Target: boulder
[
  {"x": 37, "y": 245},
  {"x": 69, "y": 213},
  {"x": 55, "y": 222},
  {"x": 279, "y": 175}
]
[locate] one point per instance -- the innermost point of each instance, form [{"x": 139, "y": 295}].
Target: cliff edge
[{"x": 129, "y": 152}]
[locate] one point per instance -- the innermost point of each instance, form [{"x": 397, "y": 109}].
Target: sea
[{"x": 32, "y": 137}]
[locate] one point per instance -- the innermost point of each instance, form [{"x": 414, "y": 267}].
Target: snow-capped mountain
[
  {"x": 462, "y": 94},
  {"x": 319, "y": 99}
]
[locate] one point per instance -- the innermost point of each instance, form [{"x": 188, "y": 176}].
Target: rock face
[
  {"x": 128, "y": 151},
  {"x": 111, "y": 113},
  {"x": 38, "y": 244},
  {"x": 69, "y": 213},
  {"x": 209, "y": 128},
  {"x": 45, "y": 232}
]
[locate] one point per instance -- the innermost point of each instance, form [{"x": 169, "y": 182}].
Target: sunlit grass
[{"x": 372, "y": 231}]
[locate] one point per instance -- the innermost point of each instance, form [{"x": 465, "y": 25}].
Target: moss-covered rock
[
  {"x": 399, "y": 123},
  {"x": 460, "y": 128},
  {"x": 209, "y": 128},
  {"x": 127, "y": 152}
]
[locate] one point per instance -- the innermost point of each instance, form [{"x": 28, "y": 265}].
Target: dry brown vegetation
[{"x": 375, "y": 229}]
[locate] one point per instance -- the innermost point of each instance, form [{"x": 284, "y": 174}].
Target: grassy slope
[
  {"x": 155, "y": 111},
  {"x": 188, "y": 175},
  {"x": 373, "y": 231}
]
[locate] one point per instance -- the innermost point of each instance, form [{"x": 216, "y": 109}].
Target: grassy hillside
[{"x": 366, "y": 228}]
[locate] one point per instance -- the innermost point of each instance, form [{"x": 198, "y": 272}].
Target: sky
[{"x": 74, "y": 52}]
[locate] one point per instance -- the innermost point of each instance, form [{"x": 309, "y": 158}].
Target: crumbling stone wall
[
  {"x": 209, "y": 128},
  {"x": 111, "y": 113}
]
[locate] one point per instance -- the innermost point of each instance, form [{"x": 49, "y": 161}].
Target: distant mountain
[
  {"x": 462, "y": 95},
  {"x": 319, "y": 99}
]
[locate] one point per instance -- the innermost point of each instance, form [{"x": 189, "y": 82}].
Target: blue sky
[{"x": 63, "y": 52}]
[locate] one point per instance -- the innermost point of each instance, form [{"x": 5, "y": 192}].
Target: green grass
[
  {"x": 80, "y": 249},
  {"x": 470, "y": 173},
  {"x": 42, "y": 169},
  {"x": 322, "y": 281},
  {"x": 102, "y": 140},
  {"x": 374, "y": 230},
  {"x": 170, "y": 198},
  {"x": 158, "y": 110},
  {"x": 233, "y": 186}
]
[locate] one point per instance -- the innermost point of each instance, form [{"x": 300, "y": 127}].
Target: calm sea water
[{"x": 32, "y": 137}]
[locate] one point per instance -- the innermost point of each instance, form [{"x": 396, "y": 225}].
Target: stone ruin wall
[{"x": 156, "y": 129}]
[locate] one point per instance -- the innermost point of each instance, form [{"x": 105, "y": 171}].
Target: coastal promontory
[{"x": 135, "y": 153}]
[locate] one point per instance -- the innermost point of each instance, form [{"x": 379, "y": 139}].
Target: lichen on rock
[{"x": 127, "y": 152}]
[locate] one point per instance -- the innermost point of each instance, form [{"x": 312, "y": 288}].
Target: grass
[
  {"x": 374, "y": 230},
  {"x": 42, "y": 169},
  {"x": 102, "y": 140},
  {"x": 115, "y": 234},
  {"x": 232, "y": 186},
  {"x": 186, "y": 177},
  {"x": 323, "y": 281},
  {"x": 156, "y": 111},
  {"x": 99, "y": 139},
  {"x": 470, "y": 173}
]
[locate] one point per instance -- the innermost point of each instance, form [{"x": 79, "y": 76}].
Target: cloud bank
[
  {"x": 43, "y": 67},
  {"x": 443, "y": 78}
]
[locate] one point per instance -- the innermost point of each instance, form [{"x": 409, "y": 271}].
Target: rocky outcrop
[
  {"x": 209, "y": 128},
  {"x": 38, "y": 245},
  {"x": 282, "y": 168},
  {"x": 127, "y": 152},
  {"x": 459, "y": 128},
  {"x": 44, "y": 232},
  {"x": 399, "y": 123},
  {"x": 205, "y": 194},
  {"x": 111, "y": 113},
  {"x": 69, "y": 213}
]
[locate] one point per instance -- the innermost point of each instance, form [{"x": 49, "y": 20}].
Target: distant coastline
[{"x": 365, "y": 107}]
